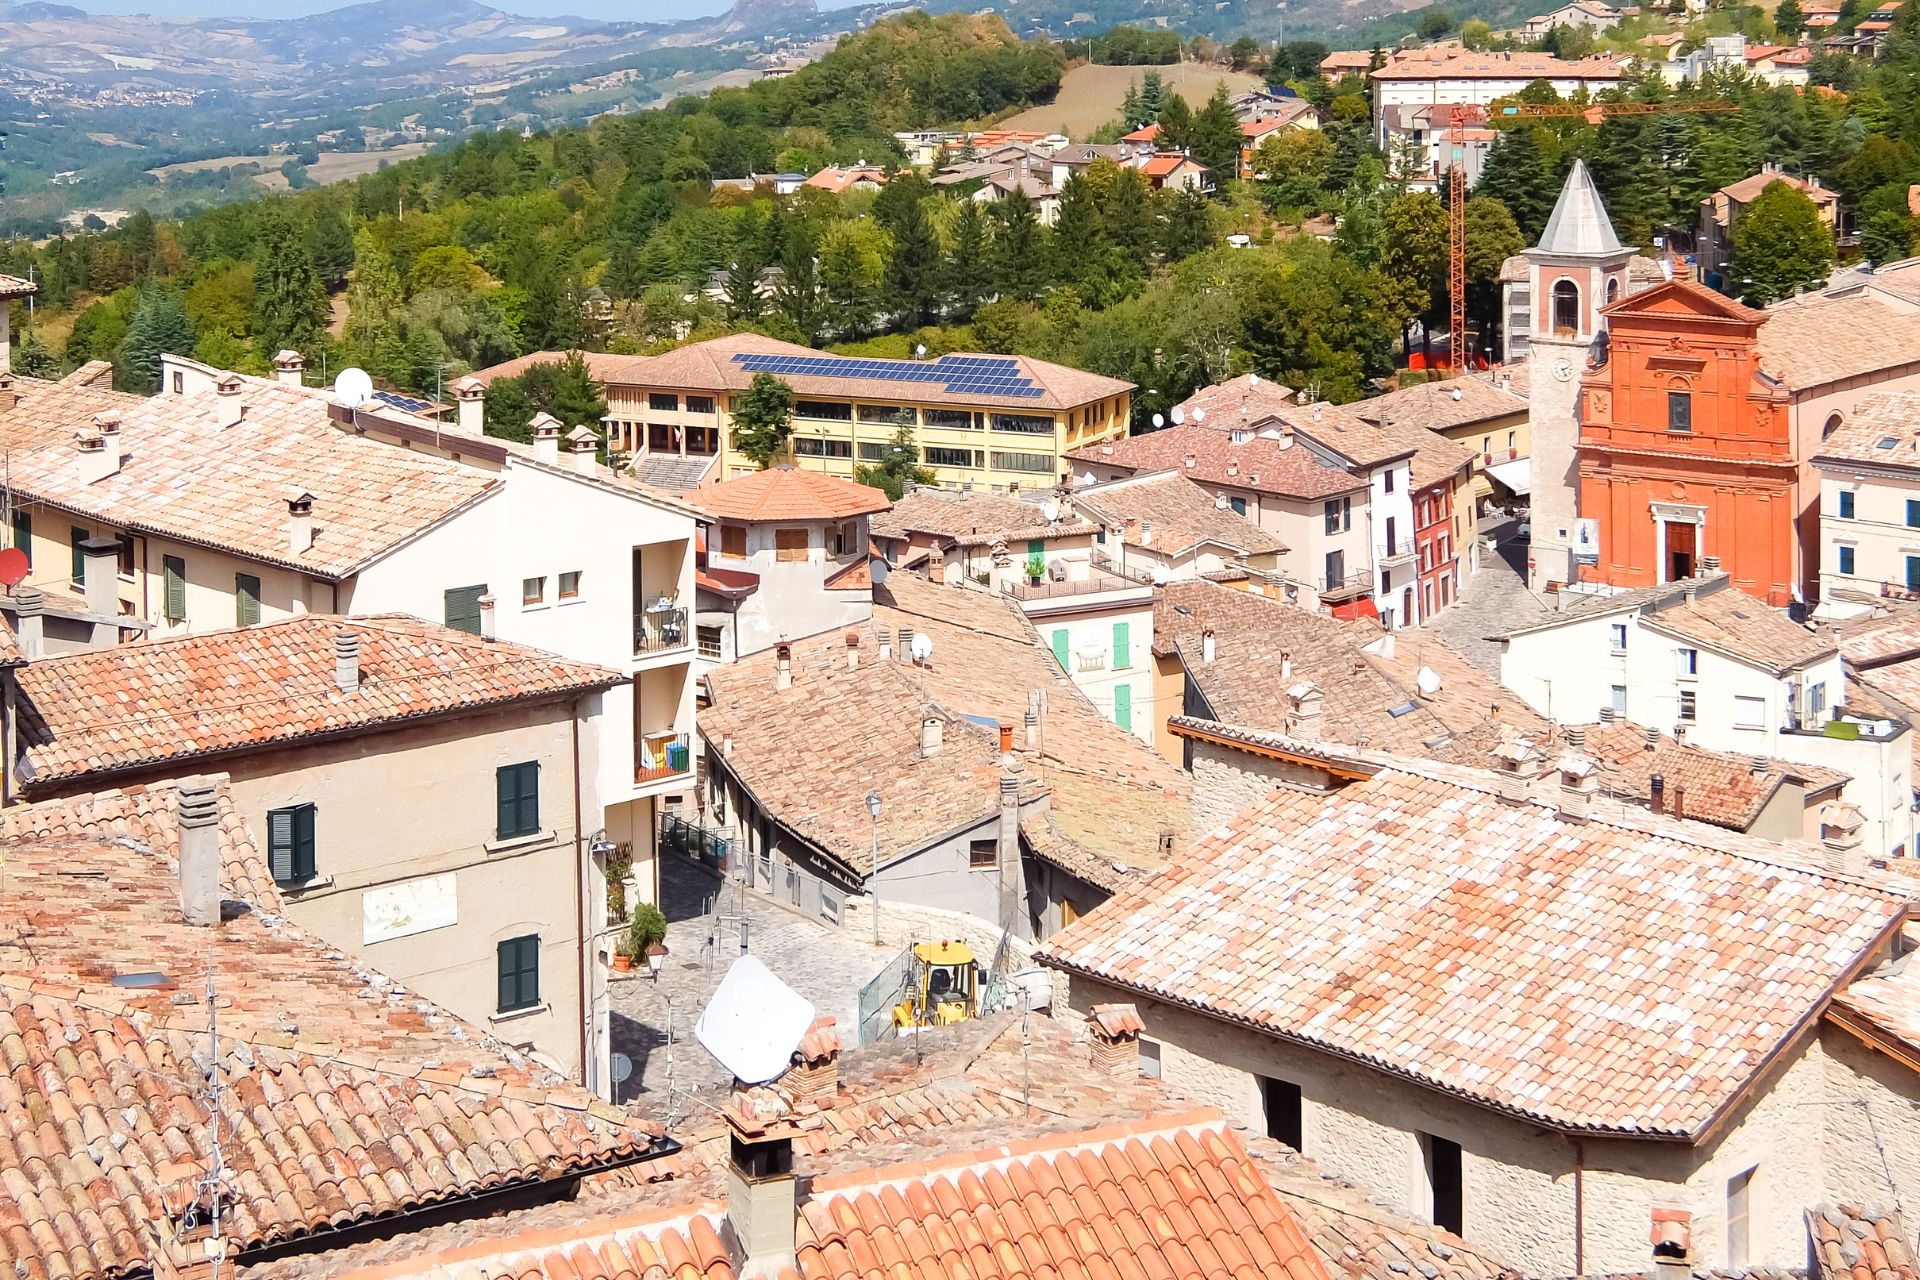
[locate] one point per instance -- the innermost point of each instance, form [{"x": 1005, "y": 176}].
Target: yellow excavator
[{"x": 943, "y": 987}]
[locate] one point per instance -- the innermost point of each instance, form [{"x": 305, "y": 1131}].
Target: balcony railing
[
  {"x": 657, "y": 628},
  {"x": 1335, "y": 589},
  {"x": 662, "y": 755},
  {"x": 1398, "y": 549}
]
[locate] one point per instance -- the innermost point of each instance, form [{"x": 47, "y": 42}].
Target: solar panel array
[
  {"x": 957, "y": 375},
  {"x": 406, "y": 404}
]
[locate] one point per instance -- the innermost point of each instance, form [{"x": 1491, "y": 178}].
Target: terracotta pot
[{"x": 622, "y": 963}]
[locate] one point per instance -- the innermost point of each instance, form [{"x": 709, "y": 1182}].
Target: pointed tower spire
[{"x": 1579, "y": 226}]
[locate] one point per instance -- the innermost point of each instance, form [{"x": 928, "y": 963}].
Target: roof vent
[{"x": 346, "y": 661}]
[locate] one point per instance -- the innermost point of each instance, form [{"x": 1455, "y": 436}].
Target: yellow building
[{"x": 995, "y": 422}]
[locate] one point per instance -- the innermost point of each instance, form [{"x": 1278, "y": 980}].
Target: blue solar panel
[
  {"x": 996, "y": 376},
  {"x": 406, "y": 404}
]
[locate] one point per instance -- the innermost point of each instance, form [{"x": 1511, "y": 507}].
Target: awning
[{"x": 1516, "y": 476}]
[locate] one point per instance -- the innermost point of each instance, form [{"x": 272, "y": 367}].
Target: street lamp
[{"x": 873, "y": 811}]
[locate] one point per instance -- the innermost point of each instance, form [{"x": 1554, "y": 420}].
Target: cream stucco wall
[
  {"x": 792, "y": 601},
  {"x": 1878, "y": 533}
]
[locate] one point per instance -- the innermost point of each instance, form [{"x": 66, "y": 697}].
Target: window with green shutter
[
  {"x": 1060, "y": 649},
  {"x": 175, "y": 572},
  {"x": 1036, "y": 546},
  {"x": 246, "y": 599},
  {"x": 76, "y": 536},
  {"x": 519, "y": 972},
  {"x": 290, "y": 844},
  {"x": 1122, "y": 646},
  {"x": 23, "y": 534},
  {"x": 1123, "y": 706},
  {"x": 517, "y": 792},
  {"x": 463, "y": 608}
]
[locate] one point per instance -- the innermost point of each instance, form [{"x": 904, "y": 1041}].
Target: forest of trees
[{"x": 609, "y": 236}]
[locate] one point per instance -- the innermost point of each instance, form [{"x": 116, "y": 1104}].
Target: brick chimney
[
  {"x": 1579, "y": 783},
  {"x": 1304, "y": 706},
  {"x": 289, "y": 368},
  {"x": 299, "y": 522},
  {"x": 782, "y": 668},
  {"x": 470, "y": 401},
  {"x": 346, "y": 661},
  {"x": 762, "y": 1195},
  {"x": 546, "y": 438},
  {"x": 1113, "y": 1035},
  {"x": 29, "y": 610},
  {"x": 199, "y": 811},
  {"x": 1516, "y": 764},
  {"x": 229, "y": 410},
  {"x": 815, "y": 1074}
]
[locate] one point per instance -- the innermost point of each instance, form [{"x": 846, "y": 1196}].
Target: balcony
[
  {"x": 1339, "y": 590},
  {"x": 1398, "y": 549},
  {"x": 659, "y": 627},
  {"x": 659, "y": 756}
]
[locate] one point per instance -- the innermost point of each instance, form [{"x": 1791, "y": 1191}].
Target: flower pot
[{"x": 622, "y": 963}]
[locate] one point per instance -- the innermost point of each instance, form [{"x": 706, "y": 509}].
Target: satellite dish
[
  {"x": 622, "y": 1068},
  {"x": 1199, "y": 415},
  {"x": 1456, "y": 393},
  {"x": 754, "y": 1022},
  {"x": 922, "y": 646},
  {"x": 1179, "y": 415},
  {"x": 1253, "y": 379},
  {"x": 13, "y": 566},
  {"x": 1051, "y": 510},
  {"x": 1159, "y": 421},
  {"x": 1159, "y": 575},
  {"x": 920, "y": 350},
  {"x": 352, "y": 387},
  {"x": 1429, "y": 681}
]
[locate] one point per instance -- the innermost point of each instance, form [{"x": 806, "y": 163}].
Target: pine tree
[
  {"x": 913, "y": 266},
  {"x": 1516, "y": 174},
  {"x": 1128, "y": 218},
  {"x": 31, "y": 359},
  {"x": 1215, "y": 138},
  {"x": 330, "y": 241},
  {"x": 1078, "y": 237},
  {"x": 1129, "y": 109},
  {"x": 966, "y": 265},
  {"x": 743, "y": 290},
  {"x": 1014, "y": 262},
  {"x": 290, "y": 304},
  {"x": 1153, "y": 97},
  {"x": 1789, "y": 19},
  {"x": 797, "y": 296},
  {"x": 375, "y": 298},
  {"x": 159, "y": 327},
  {"x": 1176, "y": 124}
]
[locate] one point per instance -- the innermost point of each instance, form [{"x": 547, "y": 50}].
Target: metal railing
[
  {"x": 657, "y": 629},
  {"x": 702, "y": 844},
  {"x": 1338, "y": 588},
  {"x": 1398, "y": 549},
  {"x": 662, "y": 755}
]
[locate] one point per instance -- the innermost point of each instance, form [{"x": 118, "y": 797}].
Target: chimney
[
  {"x": 1515, "y": 765},
  {"x": 1304, "y": 705},
  {"x": 1579, "y": 783},
  {"x": 1006, "y": 738},
  {"x": 1672, "y": 1239},
  {"x": 814, "y": 1075},
  {"x": 1691, "y": 593},
  {"x": 470, "y": 400},
  {"x": 1233, "y": 468},
  {"x": 1657, "y": 793},
  {"x": 885, "y": 637},
  {"x": 1113, "y": 1033},
  {"x": 1840, "y": 824},
  {"x": 1208, "y": 649},
  {"x": 1286, "y": 665},
  {"x": 585, "y": 447},
  {"x": 1386, "y": 646},
  {"x": 101, "y": 557},
  {"x": 29, "y": 608},
  {"x": 546, "y": 438},
  {"x": 199, "y": 851},
  {"x": 1606, "y": 715},
  {"x": 1758, "y": 764},
  {"x": 108, "y": 458},
  {"x": 1191, "y": 461},
  {"x": 906, "y": 644},
  {"x": 783, "y": 668},
  {"x": 1709, "y": 566},
  {"x": 229, "y": 410},
  {"x": 1219, "y": 502},
  {"x": 489, "y": 617},
  {"x": 288, "y": 368},
  {"x": 299, "y": 521},
  {"x": 1577, "y": 737},
  {"x": 930, "y": 730},
  {"x": 1679, "y": 802},
  {"x": 97, "y": 461},
  {"x": 1007, "y": 849},
  {"x": 853, "y": 651},
  {"x": 346, "y": 661},
  {"x": 1030, "y": 722},
  {"x": 762, "y": 1201},
  {"x": 1653, "y": 739}
]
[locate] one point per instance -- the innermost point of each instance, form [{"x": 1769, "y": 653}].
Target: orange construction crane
[{"x": 1458, "y": 118}]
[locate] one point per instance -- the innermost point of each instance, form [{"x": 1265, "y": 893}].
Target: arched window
[
  {"x": 1679, "y": 406},
  {"x": 1613, "y": 290},
  {"x": 1832, "y": 425},
  {"x": 1566, "y": 308}
]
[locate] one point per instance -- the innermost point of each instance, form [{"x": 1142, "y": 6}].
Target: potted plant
[
  {"x": 646, "y": 930},
  {"x": 1036, "y": 568}
]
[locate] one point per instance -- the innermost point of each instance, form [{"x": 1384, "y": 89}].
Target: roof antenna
[{"x": 212, "y": 1188}]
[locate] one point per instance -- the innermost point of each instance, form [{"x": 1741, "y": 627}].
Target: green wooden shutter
[
  {"x": 1123, "y": 706},
  {"x": 517, "y": 800},
  {"x": 1036, "y": 546},
  {"x": 509, "y": 971},
  {"x": 246, "y": 599},
  {"x": 176, "y": 583},
  {"x": 518, "y": 967},
  {"x": 280, "y": 841},
  {"x": 1060, "y": 649},
  {"x": 463, "y": 608},
  {"x": 23, "y": 534},
  {"x": 1122, "y": 646}
]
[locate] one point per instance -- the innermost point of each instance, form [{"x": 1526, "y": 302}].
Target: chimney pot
[
  {"x": 1577, "y": 737},
  {"x": 546, "y": 438},
  {"x": 762, "y": 1200},
  {"x": 288, "y": 366},
  {"x": 199, "y": 817},
  {"x": 346, "y": 661},
  {"x": 489, "y": 617},
  {"x": 586, "y": 451},
  {"x": 228, "y": 408},
  {"x": 1657, "y": 793},
  {"x": 930, "y": 731},
  {"x": 1030, "y": 721},
  {"x": 299, "y": 522},
  {"x": 1006, "y": 738},
  {"x": 853, "y": 651},
  {"x": 783, "y": 668},
  {"x": 885, "y": 637},
  {"x": 1208, "y": 648},
  {"x": 470, "y": 401},
  {"x": 1679, "y": 802},
  {"x": 29, "y": 608},
  {"x": 906, "y": 644},
  {"x": 1113, "y": 1033}
]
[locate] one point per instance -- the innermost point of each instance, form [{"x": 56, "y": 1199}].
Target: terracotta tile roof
[
  {"x": 857, "y": 576},
  {"x": 1361, "y": 691},
  {"x": 1515, "y": 376},
  {"x": 348, "y": 1098},
  {"x": 1461, "y": 64},
  {"x": 1824, "y": 340},
  {"x": 1415, "y": 922},
  {"x": 1737, "y": 625},
  {"x": 1248, "y": 396},
  {"x": 1436, "y": 459},
  {"x": 38, "y": 412},
  {"x": 1882, "y": 431},
  {"x": 1884, "y": 1005},
  {"x": 1167, "y": 163},
  {"x": 15, "y": 287},
  {"x": 1748, "y": 189},
  {"x": 1182, "y": 516},
  {"x": 837, "y": 178},
  {"x": 184, "y": 476},
  {"x": 1439, "y": 406},
  {"x": 1259, "y": 463},
  {"x": 788, "y": 493},
  {"x": 972, "y": 518},
  {"x": 1724, "y": 789},
  {"x": 161, "y": 702},
  {"x": 710, "y": 366},
  {"x": 1859, "y": 1242}
]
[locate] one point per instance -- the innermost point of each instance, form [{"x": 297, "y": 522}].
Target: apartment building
[
  {"x": 329, "y": 732},
  {"x": 1870, "y": 507},
  {"x": 228, "y": 500},
  {"x": 1721, "y": 211},
  {"x": 1001, "y": 423},
  {"x": 1450, "y": 76}
]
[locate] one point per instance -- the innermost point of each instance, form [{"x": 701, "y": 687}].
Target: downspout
[
  {"x": 1579, "y": 1209},
  {"x": 579, "y": 900}
]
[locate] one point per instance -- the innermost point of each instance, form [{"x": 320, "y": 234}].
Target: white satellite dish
[
  {"x": 922, "y": 647},
  {"x": 1051, "y": 510},
  {"x": 1253, "y": 379},
  {"x": 1159, "y": 575},
  {"x": 1179, "y": 415},
  {"x": 920, "y": 350},
  {"x": 1159, "y": 421},
  {"x": 1429, "y": 681},
  {"x": 622, "y": 1068},
  {"x": 352, "y": 387},
  {"x": 754, "y": 1022},
  {"x": 1199, "y": 415},
  {"x": 1456, "y": 393}
]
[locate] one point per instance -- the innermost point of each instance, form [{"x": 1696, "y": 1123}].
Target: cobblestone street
[
  {"x": 826, "y": 965},
  {"x": 1496, "y": 599}
]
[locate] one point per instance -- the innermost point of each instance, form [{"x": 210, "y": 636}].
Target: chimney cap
[
  {"x": 298, "y": 500},
  {"x": 107, "y": 420},
  {"x": 289, "y": 359},
  {"x": 468, "y": 388},
  {"x": 229, "y": 384},
  {"x": 545, "y": 424}
]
